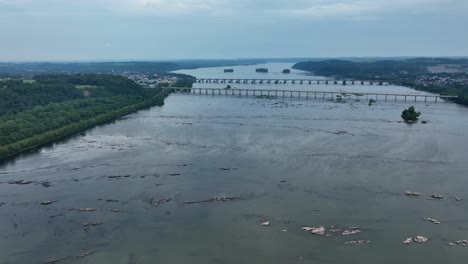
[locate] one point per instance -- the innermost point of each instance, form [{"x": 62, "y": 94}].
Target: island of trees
[
  {"x": 263, "y": 70},
  {"x": 286, "y": 71},
  {"x": 228, "y": 70},
  {"x": 53, "y": 106},
  {"x": 436, "y": 75},
  {"x": 410, "y": 115}
]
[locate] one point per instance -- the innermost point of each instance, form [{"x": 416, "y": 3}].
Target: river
[{"x": 193, "y": 182}]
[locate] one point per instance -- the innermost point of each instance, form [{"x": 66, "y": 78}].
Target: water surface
[{"x": 291, "y": 162}]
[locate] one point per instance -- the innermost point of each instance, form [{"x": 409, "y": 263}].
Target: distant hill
[
  {"x": 31, "y": 69},
  {"x": 380, "y": 68}
]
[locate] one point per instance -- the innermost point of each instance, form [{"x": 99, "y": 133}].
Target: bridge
[
  {"x": 288, "y": 81},
  {"x": 269, "y": 93}
]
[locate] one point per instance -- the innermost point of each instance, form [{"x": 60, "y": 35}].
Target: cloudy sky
[{"x": 63, "y": 30}]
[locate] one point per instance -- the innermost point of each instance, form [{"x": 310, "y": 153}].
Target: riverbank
[
  {"x": 413, "y": 73},
  {"x": 75, "y": 127}
]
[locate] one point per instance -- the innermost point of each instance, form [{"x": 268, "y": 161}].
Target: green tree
[{"x": 410, "y": 115}]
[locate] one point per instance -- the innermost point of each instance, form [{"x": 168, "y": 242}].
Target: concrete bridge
[
  {"x": 288, "y": 81},
  {"x": 325, "y": 95}
]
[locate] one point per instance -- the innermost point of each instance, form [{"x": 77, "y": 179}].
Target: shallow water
[{"x": 292, "y": 162}]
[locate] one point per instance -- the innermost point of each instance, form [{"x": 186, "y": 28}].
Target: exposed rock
[
  {"x": 265, "y": 223},
  {"x": 408, "y": 241},
  {"x": 358, "y": 242},
  {"x": 48, "y": 202},
  {"x": 435, "y": 196},
  {"x": 420, "y": 239},
  {"x": 320, "y": 231},
  {"x": 20, "y": 182},
  {"x": 84, "y": 209},
  {"x": 352, "y": 232},
  {"x": 410, "y": 193},
  {"x": 432, "y": 220},
  {"x": 462, "y": 243}
]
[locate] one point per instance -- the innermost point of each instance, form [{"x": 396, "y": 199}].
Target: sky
[{"x": 97, "y": 30}]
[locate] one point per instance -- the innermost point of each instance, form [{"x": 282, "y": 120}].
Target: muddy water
[{"x": 191, "y": 182}]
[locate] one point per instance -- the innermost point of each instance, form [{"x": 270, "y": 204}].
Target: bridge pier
[{"x": 300, "y": 94}]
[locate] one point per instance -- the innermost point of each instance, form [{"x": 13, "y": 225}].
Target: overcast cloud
[{"x": 173, "y": 29}]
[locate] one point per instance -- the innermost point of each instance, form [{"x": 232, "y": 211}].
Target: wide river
[{"x": 228, "y": 179}]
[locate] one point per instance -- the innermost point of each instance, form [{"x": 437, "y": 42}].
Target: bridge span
[
  {"x": 288, "y": 81},
  {"x": 325, "y": 95}
]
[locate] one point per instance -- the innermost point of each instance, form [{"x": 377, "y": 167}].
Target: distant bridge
[
  {"x": 314, "y": 94},
  {"x": 288, "y": 81}
]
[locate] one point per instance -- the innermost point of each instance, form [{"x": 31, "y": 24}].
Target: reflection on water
[{"x": 191, "y": 182}]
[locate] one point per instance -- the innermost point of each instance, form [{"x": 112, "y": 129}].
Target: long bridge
[
  {"x": 288, "y": 81},
  {"x": 307, "y": 94}
]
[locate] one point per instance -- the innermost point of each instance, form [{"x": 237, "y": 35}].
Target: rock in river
[
  {"x": 410, "y": 193},
  {"x": 420, "y": 239},
  {"x": 320, "y": 231},
  {"x": 432, "y": 220},
  {"x": 408, "y": 240}
]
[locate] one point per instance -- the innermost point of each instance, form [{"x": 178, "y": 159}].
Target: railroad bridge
[
  {"x": 288, "y": 81},
  {"x": 310, "y": 94}
]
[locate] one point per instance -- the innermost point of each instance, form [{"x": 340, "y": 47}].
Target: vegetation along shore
[
  {"x": 36, "y": 112},
  {"x": 436, "y": 75}
]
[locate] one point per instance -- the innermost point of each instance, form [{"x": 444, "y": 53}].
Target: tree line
[{"x": 54, "y": 107}]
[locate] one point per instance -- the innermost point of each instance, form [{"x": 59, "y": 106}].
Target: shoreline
[{"x": 70, "y": 129}]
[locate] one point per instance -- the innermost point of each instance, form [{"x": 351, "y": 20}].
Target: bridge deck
[
  {"x": 288, "y": 80},
  {"x": 307, "y": 93}
]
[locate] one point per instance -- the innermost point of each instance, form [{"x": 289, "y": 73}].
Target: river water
[{"x": 193, "y": 181}]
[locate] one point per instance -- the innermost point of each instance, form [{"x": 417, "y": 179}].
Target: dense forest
[
  {"x": 54, "y": 106},
  {"x": 12, "y": 70},
  {"x": 413, "y": 73}
]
